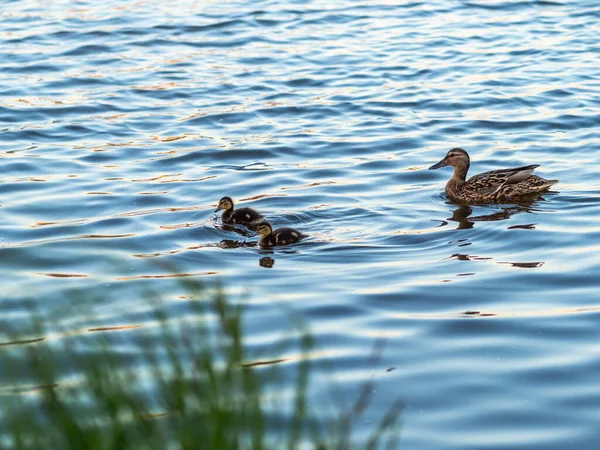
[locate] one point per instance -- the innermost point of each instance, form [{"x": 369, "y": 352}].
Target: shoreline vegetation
[{"x": 180, "y": 384}]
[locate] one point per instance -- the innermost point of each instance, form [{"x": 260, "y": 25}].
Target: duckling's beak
[
  {"x": 442, "y": 163},
  {"x": 218, "y": 208}
]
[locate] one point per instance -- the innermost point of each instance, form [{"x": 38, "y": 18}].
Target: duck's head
[
  {"x": 225, "y": 203},
  {"x": 455, "y": 157},
  {"x": 264, "y": 229}
]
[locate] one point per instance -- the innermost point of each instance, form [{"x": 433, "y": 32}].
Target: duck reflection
[
  {"x": 463, "y": 214},
  {"x": 236, "y": 229},
  {"x": 266, "y": 261},
  {"x": 232, "y": 243}
]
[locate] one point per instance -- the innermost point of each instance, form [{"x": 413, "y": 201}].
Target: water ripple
[{"x": 124, "y": 123}]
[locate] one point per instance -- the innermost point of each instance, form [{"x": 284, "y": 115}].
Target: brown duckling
[
  {"x": 488, "y": 187},
  {"x": 280, "y": 236},
  {"x": 241, "y": 216}
]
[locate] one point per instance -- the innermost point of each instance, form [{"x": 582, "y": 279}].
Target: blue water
[{"x": 123, "y": 123}]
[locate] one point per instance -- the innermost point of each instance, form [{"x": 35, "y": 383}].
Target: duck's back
[
  {"x": 507, "y": 183},
  {"x": 500, "y": 176},
  {"x": 285, "y": 236},
  {"x": 244, "y": 216}
]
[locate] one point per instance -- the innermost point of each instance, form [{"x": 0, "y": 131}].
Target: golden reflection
[
  {"x": 71, "y": 238},
  {"x": 168, "y": 252},
  {"x": 181, "y": 225},
  {"x": 118, "y": 328},
  {"x": 115, "y": 117},
  {"x": 168, "y": 138},
  {"x": 172, "y": 179},
  {"x": 59, "y": 223},
  {"x": 160, "y": 86},
  {"x": 100, "y": 236},
  {"x": 42, "y": 102},
  {"x": 160, "y": 177},
  {"x": 62, "y": 275},
  {"x": 173, "y": 275},
  {"x": 257, "y": 197}
]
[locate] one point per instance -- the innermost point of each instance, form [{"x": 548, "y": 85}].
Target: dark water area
[{"x": 123, "y": 123}]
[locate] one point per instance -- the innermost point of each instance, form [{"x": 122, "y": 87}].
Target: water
[{"x": 123, "y": 123}]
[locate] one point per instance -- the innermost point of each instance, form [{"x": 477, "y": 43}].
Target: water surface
[{"x": 123, "y": 123}]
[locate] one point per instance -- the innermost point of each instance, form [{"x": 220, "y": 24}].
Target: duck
[
  {"x": 281, "y": 236},
  {"x": 496, "y": 186},
  {"x": 241, "y": 216}
]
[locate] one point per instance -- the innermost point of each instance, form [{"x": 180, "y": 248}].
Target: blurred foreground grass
[{"x": 188, "y": 384}]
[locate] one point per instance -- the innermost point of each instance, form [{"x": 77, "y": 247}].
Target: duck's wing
[
  {"x": 244, "y": 215},
  {"x": 488, "y": 182}
]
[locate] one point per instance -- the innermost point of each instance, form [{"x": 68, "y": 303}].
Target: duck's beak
[
  {"x": 442, "y": 163},
  {"x": 218, "y": 208}
]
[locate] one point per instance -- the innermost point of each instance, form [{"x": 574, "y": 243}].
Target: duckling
[
  {"x": 280, "y": 236},
  {"x": 488, "y": 187},
  {"x": 242, "y": 216}
]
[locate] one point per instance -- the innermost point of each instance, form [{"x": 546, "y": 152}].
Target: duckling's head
[
  {"x": 225, "y": 203},
  {"x": 264, "y": 229},
  {"x": 455, "y": 157}
]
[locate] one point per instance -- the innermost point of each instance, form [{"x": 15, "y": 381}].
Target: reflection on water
[
  {"x": 120, "y": 328},
  {"x": 266, "y": 261},
  {"x": 463, "y": 214},
  {"x": 230, "y": 243},
  {"x": 524, "y": 265}
]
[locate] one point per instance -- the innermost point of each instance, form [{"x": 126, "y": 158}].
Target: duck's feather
[
  {"x": 511, "y": 176},
  {"x": 243, "y": 216},
  {"x": 487, "y": 183},
  {"x": 499, "y": 185},
  {"x": 282, "y": 236}
]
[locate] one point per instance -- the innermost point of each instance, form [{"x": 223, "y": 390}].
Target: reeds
[{"x": 171, "y": 384}]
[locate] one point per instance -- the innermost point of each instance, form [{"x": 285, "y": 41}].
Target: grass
[{"x": 180, "y": 384}]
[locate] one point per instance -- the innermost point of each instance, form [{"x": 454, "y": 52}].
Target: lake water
[{"x": 123, "y": 123}]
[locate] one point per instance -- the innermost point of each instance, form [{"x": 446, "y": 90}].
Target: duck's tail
[{"x": 548, "y": 183}]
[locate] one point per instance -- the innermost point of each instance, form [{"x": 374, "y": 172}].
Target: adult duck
[{"x": 504, "y": 185}]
